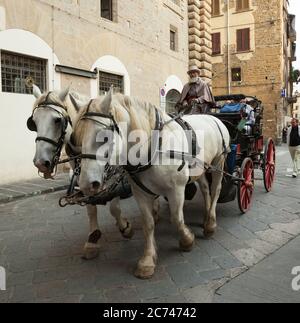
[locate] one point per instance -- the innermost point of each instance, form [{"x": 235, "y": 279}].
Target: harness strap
[
  {"x": 142, "y": 186},
  {"x": 50, "y": 141},
  {"x": 223, "y": 140},
  {"x": 156, "y": 141},
  {"x": 88, "y": 156}
]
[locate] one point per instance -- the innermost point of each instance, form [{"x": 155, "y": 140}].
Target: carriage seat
[{"x": 232, "y": 108}]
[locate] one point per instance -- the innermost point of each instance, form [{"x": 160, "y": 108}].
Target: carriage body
[{"x": 250, "y": 151}]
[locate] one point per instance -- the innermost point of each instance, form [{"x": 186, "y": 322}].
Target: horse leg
[
  {"x": 211, "y": 222},
  {"x": 205, "y": 189},
  {"x": 176, "y": 204},
  {"x": 122, "y": 223},
  {"x": 91, "y": 248},
  {"x": 146, "y": 265},
  {"x": 156, "y": 208}
]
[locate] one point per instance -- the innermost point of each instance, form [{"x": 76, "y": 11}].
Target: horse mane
[{"x": 142, "y": 115}]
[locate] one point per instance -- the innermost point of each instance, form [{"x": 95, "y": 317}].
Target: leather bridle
[
  {"x": 64, "y": 125},
  {"x": 90, "y": 116}
]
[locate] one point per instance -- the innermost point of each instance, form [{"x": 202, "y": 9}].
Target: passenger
[
  {"x": 196, "y": 97},
  {"x": 249, "y": 115}
]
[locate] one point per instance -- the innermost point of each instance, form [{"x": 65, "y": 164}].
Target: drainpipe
[{"x": 228, "y": 49}]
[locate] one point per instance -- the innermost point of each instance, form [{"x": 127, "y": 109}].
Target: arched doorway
[{"x": 172, "y": 98}]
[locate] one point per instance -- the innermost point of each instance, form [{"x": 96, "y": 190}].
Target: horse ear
[
  {"x": 36, "y": 91},
  {"x": 63, "y": 94},
  {"x": 78, "y": 105},
  {"x": 106, "y": 103}
]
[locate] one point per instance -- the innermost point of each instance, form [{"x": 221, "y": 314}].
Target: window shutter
[
  {"x": 239, "y": 41},
  {"x": 216, "y": 7},
  {"x": 246, "y": 5},
  {"x": 216, "y": 43},
  {"x": 243, "y": 40},
  {"x": 239, "y": 5},
  {"x": 247, "y": 39}
]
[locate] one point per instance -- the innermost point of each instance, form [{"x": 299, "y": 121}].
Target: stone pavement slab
[
  {"x": 268, "y": 282},
  {"x": 38, "y": 186}
]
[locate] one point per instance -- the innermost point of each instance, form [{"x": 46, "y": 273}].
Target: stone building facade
[
  {"x": 259, "y": 56},
  {"x": 140, "y": 46}
]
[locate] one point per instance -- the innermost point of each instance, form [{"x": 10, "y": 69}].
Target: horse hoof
[
  {"x": 128, "y": 233},
  {"x": 187, "y": 246},
  {"x": 144, "y": 272},
  {"x": 208, "y": 234},
  {"x": 90, "y": 254},
  {"x": 90, "y": 251}
]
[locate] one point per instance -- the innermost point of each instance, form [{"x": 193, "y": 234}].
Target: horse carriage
[
  {"x": 55, "y": 119},
  {"x": 249, "y": 151}
]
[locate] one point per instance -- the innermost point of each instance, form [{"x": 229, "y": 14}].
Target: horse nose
[
  {"x": 95, "y": 185},
  {"x": 42, "y": 165}
]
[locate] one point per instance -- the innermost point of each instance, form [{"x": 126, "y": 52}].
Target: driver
[{"x": 196, "y": 94}]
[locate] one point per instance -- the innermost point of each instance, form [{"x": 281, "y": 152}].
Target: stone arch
[
  {"x": 170, "y": 92},
  {"x": 27, "y": 43},
  {"x": 110, "y": 64}
]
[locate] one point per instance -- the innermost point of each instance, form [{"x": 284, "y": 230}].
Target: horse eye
[{"x": 57, "y": 120}]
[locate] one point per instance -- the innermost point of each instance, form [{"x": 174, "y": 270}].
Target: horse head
[
  {"x": 100, "y": 138},
  {"x": 50, "y": 120}
]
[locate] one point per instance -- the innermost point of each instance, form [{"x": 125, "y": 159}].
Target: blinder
[{"x": 31, "y": 124}]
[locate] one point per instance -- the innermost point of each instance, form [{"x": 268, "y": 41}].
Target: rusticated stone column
[{"x": 200, "y": 45}]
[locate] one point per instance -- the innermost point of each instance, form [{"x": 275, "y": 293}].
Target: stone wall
[
  {"x": 139, "y": 37},
  {"x": 263, "y": 73}
]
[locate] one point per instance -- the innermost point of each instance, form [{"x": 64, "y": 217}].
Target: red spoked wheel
[
  {"x": 246, "y": 185},
  {"x": 269, "y": 167}
]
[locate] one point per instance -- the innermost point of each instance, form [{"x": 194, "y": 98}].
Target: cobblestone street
[{"x": 41, "y": 246}]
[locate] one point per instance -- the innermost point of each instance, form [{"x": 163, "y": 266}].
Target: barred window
[
  {"x": 106, "y": 80},
  {"x": 17, "y": 71}
]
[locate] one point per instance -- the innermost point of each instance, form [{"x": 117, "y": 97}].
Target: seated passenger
[{"x": 249, "y": 115}]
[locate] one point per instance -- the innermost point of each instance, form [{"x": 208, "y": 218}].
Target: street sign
[
  {"x": 283, "y": 93},
  {"x": 163, "y": 92}
]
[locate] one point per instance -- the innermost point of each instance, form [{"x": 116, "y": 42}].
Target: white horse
[
  {"x": 52, "y": 118},
  {"x": 168, "y": 178}
]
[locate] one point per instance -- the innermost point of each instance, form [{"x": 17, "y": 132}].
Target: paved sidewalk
[
  {"x": 34, "y": 187},
  {"x": 268, "y": 282}
]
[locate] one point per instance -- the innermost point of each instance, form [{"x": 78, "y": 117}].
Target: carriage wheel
[
  {"x": 269, "y": 167},
  {"x": 246, "y": 187}
]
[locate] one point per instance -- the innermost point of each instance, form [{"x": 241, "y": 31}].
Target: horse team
[{"x": 155, "y": 150}]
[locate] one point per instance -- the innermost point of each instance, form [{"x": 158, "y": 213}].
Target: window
[
  {"x": 19, "y": 70},
  {"x": 216, "y": 7},
  {"x": 172, "y": 98},
  {"x": 173, "y": 39},
  {"x": 106, "y": 9},
  {"x": 106, "y": 80},
  {"x": 216, "y": 43},
  {"x": 243, "y": 40},
  {"x": 236, "y": 74},
  {"x": 242, "y": 5}
]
